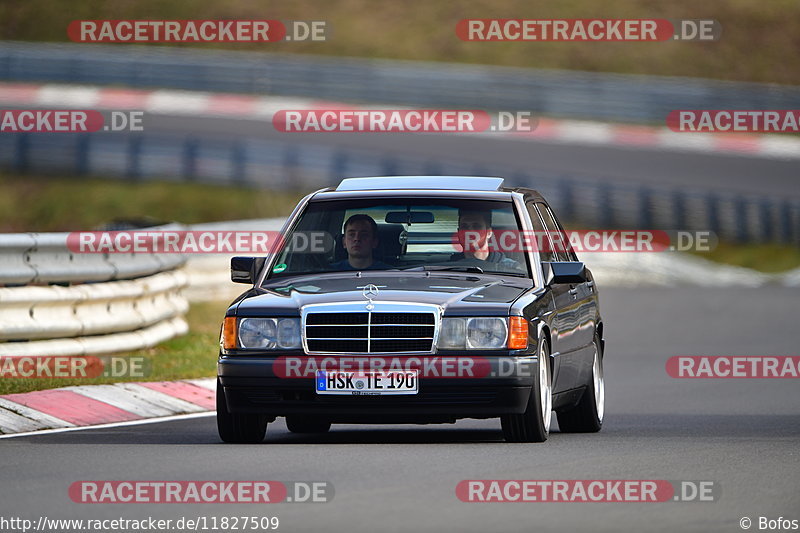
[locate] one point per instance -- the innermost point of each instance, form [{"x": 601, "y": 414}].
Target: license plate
[{"x": 369, "y": 383}]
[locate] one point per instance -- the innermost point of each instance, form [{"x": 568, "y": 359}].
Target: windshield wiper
[{"x": 460, "y": 268}]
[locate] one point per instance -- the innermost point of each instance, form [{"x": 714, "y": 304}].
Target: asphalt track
[
  {"x": 740, "y": 433},
  {"x": 716, "y": 172}
]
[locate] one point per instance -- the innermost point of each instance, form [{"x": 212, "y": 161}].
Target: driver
[
  {"x": 359, "y": 240},
  {"x": 476, "y": 247}
]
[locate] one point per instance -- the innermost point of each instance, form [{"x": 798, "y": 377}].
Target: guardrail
[
  {"x": 589, "y": 95},
  {"x": 121, "y": 302},
  {"x": 280, "y": 165}
]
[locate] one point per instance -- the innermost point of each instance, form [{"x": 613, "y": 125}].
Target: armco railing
[
  {"x": 281, "y": 165},
  {"x": 111, "y": 302},
  {"x": 611, "y": 97}
]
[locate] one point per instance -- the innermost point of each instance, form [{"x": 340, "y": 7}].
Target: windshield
[{"x": 400, "y": 234}]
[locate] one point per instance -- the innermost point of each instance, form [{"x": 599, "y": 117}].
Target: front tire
[
  {"x": 238, "y": 428},
  {"x": 534, "y": 424},
  {"x": 587, "y": 416}
]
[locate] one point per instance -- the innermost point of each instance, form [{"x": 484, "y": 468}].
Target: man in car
[
  {"x": 475, "y": 234},
  {"x": 360, "y": 239}
]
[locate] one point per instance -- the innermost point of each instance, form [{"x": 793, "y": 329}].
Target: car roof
[{"x": 477, "y": 184}]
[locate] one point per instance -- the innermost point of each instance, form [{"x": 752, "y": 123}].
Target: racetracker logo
[
  {"x": 195, "y": 31},
  {"x": 467, "y": 367},
  {"x": 733, "y": 366},
  {"x": 73, "y": 367},
  {"x": 196, "y": 242},
  {"x": 201, "y": 492},
  {"x": 402, "y": 121},
  {"x": 511, "y": 241},
  {"x": 68, "y": 121},
  {"x": 585, "y": 490},
  {"x": 735, "y": 120},
  {"x": 587, "y": 30}
]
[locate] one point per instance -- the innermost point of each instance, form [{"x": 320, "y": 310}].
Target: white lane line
[{"x": 112, "y": 425}]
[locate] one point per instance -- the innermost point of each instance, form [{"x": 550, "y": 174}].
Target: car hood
[{"x": 457, "y": 293}]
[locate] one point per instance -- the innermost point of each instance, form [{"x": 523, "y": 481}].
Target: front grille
[{"x": 370, "y": 332}]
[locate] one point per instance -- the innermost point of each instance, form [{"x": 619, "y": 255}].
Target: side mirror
[
  {"x": 246, "y": 269},
  {"x": 564, "y": 272}
]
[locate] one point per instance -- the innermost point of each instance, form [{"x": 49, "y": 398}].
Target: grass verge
[
  {"x": 191, "y": 356},
  {"x": 44, "y": 203},
  {"x": 756, "y": 43}
]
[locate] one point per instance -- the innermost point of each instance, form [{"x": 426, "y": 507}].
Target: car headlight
[
  {"x": 453, "y": 334},
  {"x": 487, "y": 333},
  {"x": 268, "y": 333},
  {"x": 483, "y": 333}
]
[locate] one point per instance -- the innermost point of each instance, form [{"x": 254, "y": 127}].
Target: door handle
[
  {"x": 590, "y": 284},
  {"x": 574, "y": 292}
]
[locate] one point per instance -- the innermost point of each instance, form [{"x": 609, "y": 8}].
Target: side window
[
  {"x": 570, "y": 252},
  {"x": 556, "y": 232},
  {"x": 541, "y": 236}
]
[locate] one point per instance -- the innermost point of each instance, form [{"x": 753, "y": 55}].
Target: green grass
[
  {"x": 757, "y": 40},
  {"x": 191, "y": 356},
  {"x": 770, "y": 258},
  {"x": 37, "y": 203}
]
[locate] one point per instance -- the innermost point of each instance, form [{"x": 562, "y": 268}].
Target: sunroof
[{"x": 462, "y": 183}]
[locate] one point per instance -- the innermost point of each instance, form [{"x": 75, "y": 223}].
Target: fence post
[
  {"x": 740, "y": 212},
  {"x": 239, "y": 163},
  {"x": 679, "y": 209},
  {"x": 712, "y": 207},
  {"x": 645, "y": 209},
  {"x": 22, "y": 153},
  {"x": 786, "y": 222},
  {"x": 190, "y": 159},
  {"x": 134, "y": 170},
  {"x": 82, "y": 155},
  {"x": 765, "y": 216}
]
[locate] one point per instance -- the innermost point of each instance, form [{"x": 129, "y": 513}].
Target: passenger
[{"x": 475, "y": 232}]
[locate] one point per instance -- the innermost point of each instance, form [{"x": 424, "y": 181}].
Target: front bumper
[{"x": 250, "y": 385}]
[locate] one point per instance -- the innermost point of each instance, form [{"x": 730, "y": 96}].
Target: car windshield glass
[{"x": 451, "y": 235}]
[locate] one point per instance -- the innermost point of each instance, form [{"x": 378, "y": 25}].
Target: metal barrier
[
  {"x": 279, "y": 165},
  {"x": 588, "y": 95},
  {"x": 27, "y": 258},
  {"x": 121, "y": 302}
]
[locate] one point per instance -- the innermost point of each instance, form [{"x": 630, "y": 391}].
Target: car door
[
  {"x": 561, "y": 331},
  {"x": 583, "y": 308},
  {"x": 569, "y": 334}
]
